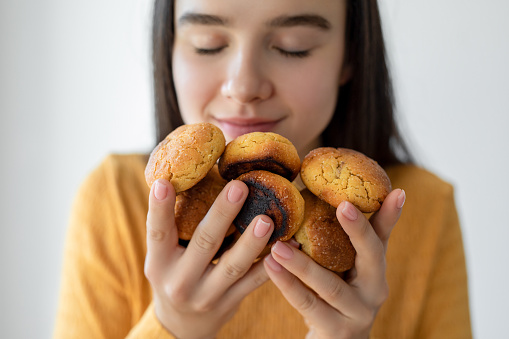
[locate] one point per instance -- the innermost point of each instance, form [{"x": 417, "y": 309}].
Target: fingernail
[
  {"x": 282, "y": 250},
  {"x": 261, "y": 228},
  {"x": 273, "y": 264},
  {"x": 234, "y": 194},
  {"x": 401, "y": 199},
  {"x": 349, "y": 211},
  {"x": 160, "y": 191},
  {"x": 294, "y": 243}
]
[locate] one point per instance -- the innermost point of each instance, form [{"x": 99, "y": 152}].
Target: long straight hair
[{"x": 364, "y": 117}]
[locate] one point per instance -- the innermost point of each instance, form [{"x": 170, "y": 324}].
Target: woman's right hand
[{"x": 192, "y": 297}]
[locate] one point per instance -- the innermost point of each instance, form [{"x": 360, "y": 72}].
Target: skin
[
  {"x": 249, "y": 64},
  {"x": 246, "y": 68}
]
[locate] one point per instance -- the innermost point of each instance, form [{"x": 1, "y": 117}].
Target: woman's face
[{"x": 260, "y": 65}]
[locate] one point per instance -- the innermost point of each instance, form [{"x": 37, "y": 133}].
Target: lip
[{"x": 235, "y": 127}]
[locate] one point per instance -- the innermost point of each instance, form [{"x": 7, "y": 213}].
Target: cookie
[
  {"x": 272, "y": 195},
  {"x": 336, "y": 175},
  {"x": 186, "y": 155},
  {"x": 260, "y": 151},
  {"x": 192, "y": 205},
  {"x": 322, "y": 237}
]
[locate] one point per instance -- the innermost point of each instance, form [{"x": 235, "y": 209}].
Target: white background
[{"x": 75, "y": 84}]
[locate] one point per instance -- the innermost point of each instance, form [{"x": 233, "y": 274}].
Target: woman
[{"x": 315, "y": 72}]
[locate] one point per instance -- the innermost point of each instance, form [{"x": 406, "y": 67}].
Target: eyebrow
[
  {"x": 281, "y": 21},
  {"x": 301, "y": 20},
  {"x": 202, "y": 19}
]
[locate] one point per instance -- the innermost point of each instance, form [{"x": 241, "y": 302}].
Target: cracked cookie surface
[
  {"x": 336, "y": 175},
  {"x": 186, "y": 155},
  {"x": 260, "y": 151}
]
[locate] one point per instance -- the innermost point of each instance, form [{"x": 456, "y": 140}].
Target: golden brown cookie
[
  {"x": 186, "y": 155},
  {"x": 336, "y": 175},
  {"x": 260, "y": 151},
  {"x": 272, "y": 195},
  {"x": 322, "y": 237},
  {"x": 192, "y": 205}
]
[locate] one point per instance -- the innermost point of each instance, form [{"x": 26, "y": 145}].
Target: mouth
[{"x": 234, "y": 127}]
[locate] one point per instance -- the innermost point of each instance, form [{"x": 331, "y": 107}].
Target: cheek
[
  {"x": 315, "y": 94},
  {"x": 312, "y": 95},
  {"x": 194, "y": 86}
]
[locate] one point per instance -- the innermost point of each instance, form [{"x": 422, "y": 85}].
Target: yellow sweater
[{"x": 104, "y": 292}]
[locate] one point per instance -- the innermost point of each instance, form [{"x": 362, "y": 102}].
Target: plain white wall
[
  {"x": 451, "y": 77},
  {"x": 75, "y": 84}
]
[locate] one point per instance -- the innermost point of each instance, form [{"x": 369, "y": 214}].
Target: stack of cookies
[{"x": 268, "y": 163}]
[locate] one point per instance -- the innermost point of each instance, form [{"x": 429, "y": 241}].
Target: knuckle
[
  {"x": 203, "y": 306},
  {"x": 220, "y": 213},
  {"x": 233, "y": 271},
  {"x": 205, "y": 242},
  {"x": 177, "y": 293},
  {"x": 308, "y": 303},
  {"x": 260, "y": 279},
  {"x": 150, "y": 272},
  {"x": 155, "y": 234},
  {"x": 290, "y": 283},
  {"x": 335, "y": 290}
]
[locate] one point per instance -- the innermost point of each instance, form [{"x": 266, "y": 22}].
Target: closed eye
[
  {"x": 293, "y": 54},
  {"x": 209, "y": 51}
]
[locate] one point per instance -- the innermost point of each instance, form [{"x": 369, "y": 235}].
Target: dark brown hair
[{"x": 364, "y": 117}]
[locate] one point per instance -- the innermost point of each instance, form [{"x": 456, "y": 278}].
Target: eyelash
[
  {"x": 293, "y": 54},
  {"x": 207, "y": 51},
  {"x": 285, "y": 53}
]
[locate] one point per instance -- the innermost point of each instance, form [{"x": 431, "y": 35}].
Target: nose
[{"x": 246, "y": 81}]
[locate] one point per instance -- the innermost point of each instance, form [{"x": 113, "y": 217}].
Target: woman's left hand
[{"x": 333, "y": 307}]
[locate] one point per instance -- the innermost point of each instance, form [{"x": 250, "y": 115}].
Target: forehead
[{"x": 261, "y": 12}]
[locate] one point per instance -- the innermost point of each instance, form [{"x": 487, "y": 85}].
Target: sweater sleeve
[
  {"x": 149, "y": 327},
  {"x": 96, "y": 295},
  {"x": 446, "y": 308}
]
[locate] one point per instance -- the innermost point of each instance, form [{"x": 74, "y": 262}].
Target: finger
[
  {"x": 366, "y": 242},
  {"x": 210, "y": 233},
  {"x": 254, "y": 278},
  {"x": 162, "y": 235},
  {"x": 294, "y": 243},
  {"x": 235, "y": 263},
  {"x": 370, "y": 257},
  {"x": 313, "y": 308},
  {"x": 328, "y": 285},
  {"x": 385, "y": 219}
]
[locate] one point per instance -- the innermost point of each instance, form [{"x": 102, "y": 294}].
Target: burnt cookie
[
  {"x": 272, "y": 195},
  {"x": 336, "y": 175},
  {"x": 260, "y": 151}
]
